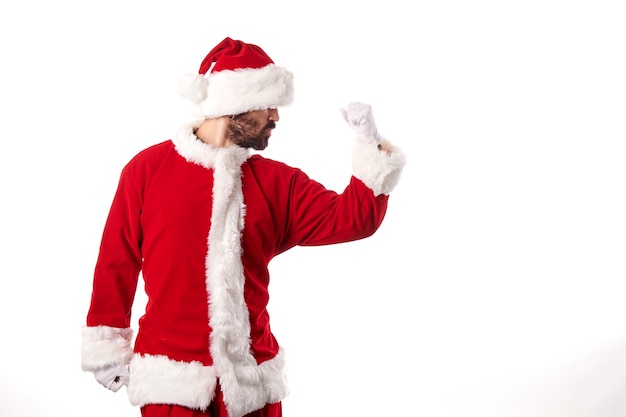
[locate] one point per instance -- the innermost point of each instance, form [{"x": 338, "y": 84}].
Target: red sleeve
[
  {"x": 321, "y": 217},
  {"x": 119, "y": 260}
]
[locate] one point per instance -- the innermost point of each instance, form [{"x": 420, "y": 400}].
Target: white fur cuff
[
  {"x": 379, "y": 170},
  {"x": 104, "y": 346}
]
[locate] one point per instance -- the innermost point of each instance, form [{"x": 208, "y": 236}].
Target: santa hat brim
[{"x": 231, "y": 92}]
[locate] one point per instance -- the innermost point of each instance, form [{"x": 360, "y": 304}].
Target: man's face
[{"x": 252, "y": 129}]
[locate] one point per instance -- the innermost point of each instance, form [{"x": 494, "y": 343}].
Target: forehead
[{"x": 262, "y": 112}]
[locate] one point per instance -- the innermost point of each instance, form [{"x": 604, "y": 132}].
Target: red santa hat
[{"x": 236, "y": 77}]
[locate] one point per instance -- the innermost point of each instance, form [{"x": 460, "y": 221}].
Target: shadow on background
[{"x": 593, "y": 386}]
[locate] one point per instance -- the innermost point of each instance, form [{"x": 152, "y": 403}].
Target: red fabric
[
  {"x": 231, "y": 55},
  {"x": 159, "y": 223},
  {"x": 216, "y": 409}
]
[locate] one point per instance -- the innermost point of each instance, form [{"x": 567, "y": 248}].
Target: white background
[{"x": 495, "y": 286}]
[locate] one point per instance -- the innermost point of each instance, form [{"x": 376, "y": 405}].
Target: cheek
[{"x": 256, "y": 127}]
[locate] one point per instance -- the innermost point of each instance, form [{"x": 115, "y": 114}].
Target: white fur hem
[
  {"x": 160, "y": 380},
  {"x": 243, "y": 396}
]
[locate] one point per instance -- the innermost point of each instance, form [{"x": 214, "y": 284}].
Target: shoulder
[
  {"x": 276, "y": 174},
  {"x": 261, "y": 163},
  {"x": 151, "y": 154},
  {"x": 148, "y": 160},
  {"x": 154, "y": 151}
]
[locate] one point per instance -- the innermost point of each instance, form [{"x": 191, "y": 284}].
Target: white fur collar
[{"x": 198, "y": 152}]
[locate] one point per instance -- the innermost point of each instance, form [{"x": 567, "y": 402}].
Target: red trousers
[{"x": 217, "y": 408}]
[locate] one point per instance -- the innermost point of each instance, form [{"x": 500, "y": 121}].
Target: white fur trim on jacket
[
  {"x": 240, "y": 377},
  {"x": 104, "y": 346},
  {"x": 158, "y": 379},
  {"x": 245, "y": 385},
  {"x": 195, "y": 151},
  {"x": 379, "y": 170}
]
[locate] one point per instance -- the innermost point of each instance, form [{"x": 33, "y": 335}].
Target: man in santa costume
[{"x": 201, "y": 216}]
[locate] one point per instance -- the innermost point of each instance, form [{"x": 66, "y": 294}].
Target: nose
[{"x": 272, "y": 114}]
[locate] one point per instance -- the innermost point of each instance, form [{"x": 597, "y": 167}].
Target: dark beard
[{"x": 246, "y": 132}]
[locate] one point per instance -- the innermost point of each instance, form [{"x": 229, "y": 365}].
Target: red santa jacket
[{"x": 201, "y": 224}]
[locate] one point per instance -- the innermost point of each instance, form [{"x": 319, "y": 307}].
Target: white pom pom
[{"x": 193, "y": 87}]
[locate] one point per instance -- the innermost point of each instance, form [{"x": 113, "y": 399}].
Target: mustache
[{"x": 270, "y": 125}]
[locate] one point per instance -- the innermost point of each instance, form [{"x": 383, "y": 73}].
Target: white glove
[
  {"x": 361, "y": 119},
  {"x": 112, "y": 377}
]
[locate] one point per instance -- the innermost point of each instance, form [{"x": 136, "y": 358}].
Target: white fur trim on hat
[
  {"x": 231, "y": 92},
  {"x": 193, "y": 87}
]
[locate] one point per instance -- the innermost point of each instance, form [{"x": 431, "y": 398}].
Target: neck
[{"x": 213, "y": 132}]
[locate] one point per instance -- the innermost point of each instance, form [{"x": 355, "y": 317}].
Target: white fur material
[
  {"x": 379, "y": 170},
  {"x": 193, "y": 87},
  {"x": 231, "y": 92},
  {"x": 246, "y": 386},
  {"x": 195, "y": 151},
  {"x": 230, "y": 337},
  {"x": 160, "y": 380},
  {"x": 104, "y": 346},
  {"x": 156, "y": 379}
]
